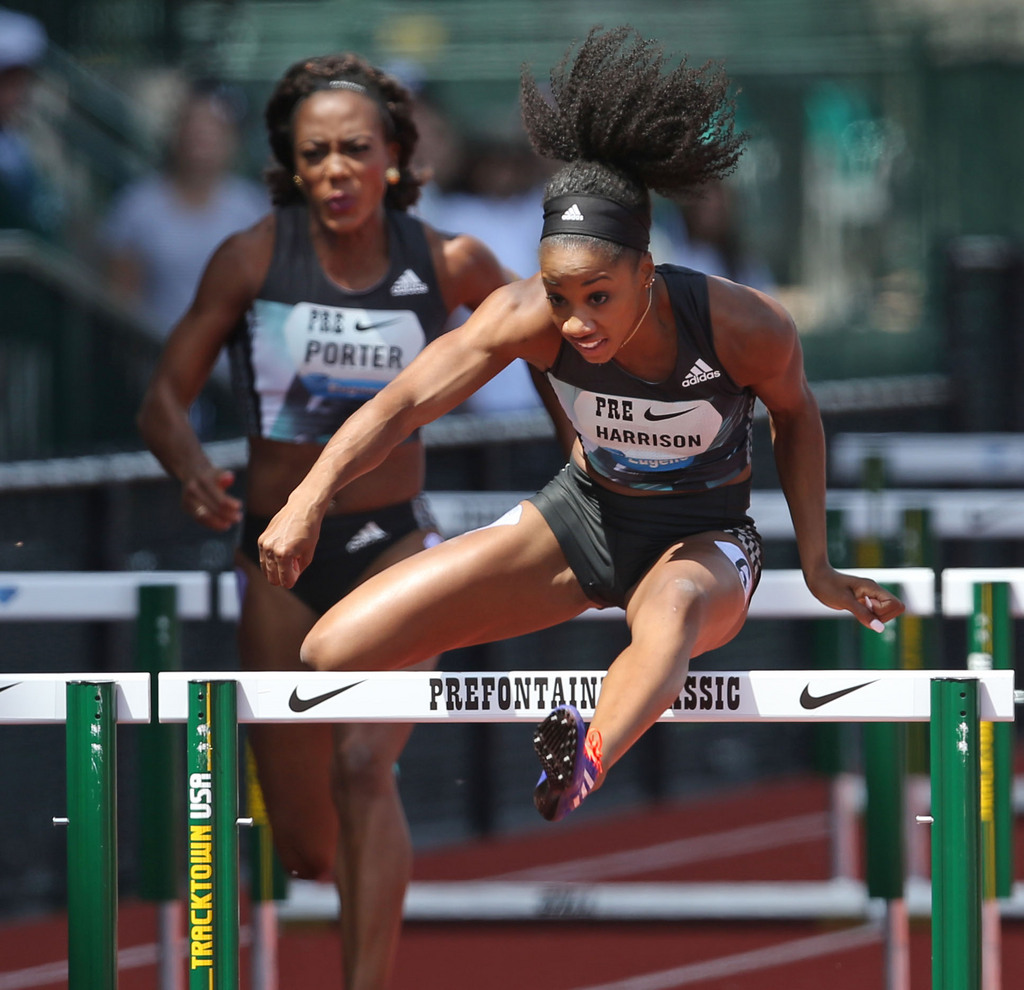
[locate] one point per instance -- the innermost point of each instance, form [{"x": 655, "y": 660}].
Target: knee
[
  {"x": 315, "y": 650},
  {"x": 683, "y": 598},
  {"x": 361, "y": 769}
]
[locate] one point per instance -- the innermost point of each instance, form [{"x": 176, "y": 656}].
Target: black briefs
[{"x": 349, "y": 543}]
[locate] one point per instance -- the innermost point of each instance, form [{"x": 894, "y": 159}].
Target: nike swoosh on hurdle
[
  {"x": 297, "y": 704},
  {"x": 809, "y": 701},
  {"x": 6, "y": 686}
]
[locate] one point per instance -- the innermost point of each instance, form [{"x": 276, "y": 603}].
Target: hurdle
[
  {"x": 213, "y": 705},
  {"x": 156, "y": 601},
  {"x": 113, "y": 596},
  {"x": 90, "y": 709}
]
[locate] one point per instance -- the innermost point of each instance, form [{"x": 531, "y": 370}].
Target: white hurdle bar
[
  {"x": 781, "y": 594},
  {"x": 528, "y": 695},
  {"x": 958, "y": 588},
  {"x": 99, "y": 596},
  {"x": 41, "y": 699}
]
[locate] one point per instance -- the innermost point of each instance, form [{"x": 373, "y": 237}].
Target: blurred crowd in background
[
  {"x": 131, "y": 146},
  {"x": 880, "y": 136},
  {"x": 148, "y": 236}
]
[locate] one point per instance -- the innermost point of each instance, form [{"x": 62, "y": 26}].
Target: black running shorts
[{"x": 610, "y": 539}]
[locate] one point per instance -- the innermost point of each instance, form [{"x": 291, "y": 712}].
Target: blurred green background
[{"x": 884, "y": 158}]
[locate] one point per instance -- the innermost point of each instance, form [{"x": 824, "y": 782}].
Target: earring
[
  {"x": 297, "y": 179},
  {"x": 392, "y": 176}
]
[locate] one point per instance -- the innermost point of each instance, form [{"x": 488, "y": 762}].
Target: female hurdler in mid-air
[{"x": 658, "y": 368}]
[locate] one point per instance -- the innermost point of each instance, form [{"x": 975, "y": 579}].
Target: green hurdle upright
[
  {"x": 885, "y": 746},
  {"x": 92, "y": 835},
  {"x": 990, "y": 646},
  {"x": 157, "y": 648},
  {"x": 956, "y": 839},
  {"x": 212, "y": 750},
  {"x": 267, "y": 881}
]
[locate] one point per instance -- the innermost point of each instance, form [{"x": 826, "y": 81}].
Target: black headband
[
  {"x": 595, "y": 216},
  {"x": 364, "y": 88}
]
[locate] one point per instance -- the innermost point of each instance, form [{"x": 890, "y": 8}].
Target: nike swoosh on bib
[
  {"x": 297, "y": 704},
  {"x": 808, "y": 701},
  {"x": 7, "y": 686},
  {"x": 374, "y": 326},
  {"x": 655, "y": 417}
]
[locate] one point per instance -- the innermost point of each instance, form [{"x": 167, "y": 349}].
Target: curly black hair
[
  {"x": 315, "y": 74},
  {"x": 625, "y": 126}
]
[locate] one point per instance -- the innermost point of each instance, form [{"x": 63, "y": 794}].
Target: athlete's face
[
  {"x": 341, "y": 152},
  {"x": 595, "y": 303}
]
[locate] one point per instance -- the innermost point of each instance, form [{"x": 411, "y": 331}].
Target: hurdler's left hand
[{"x": 869, "y": 603}]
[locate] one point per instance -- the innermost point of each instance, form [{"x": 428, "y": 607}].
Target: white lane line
[
  {"x": 56, "y": 973},
  {"x": 35, "y": 976},
  {"x": 697, "y": 849},
  {"x": 48, "y": 974},
  {"x": 746, "y": 962}
]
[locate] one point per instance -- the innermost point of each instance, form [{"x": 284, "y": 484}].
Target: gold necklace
[{"x": 650, "y": 299}]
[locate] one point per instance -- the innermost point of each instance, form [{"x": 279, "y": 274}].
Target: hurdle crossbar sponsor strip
[
  {"x": 709, "y": 696},
  {"x": 42, "y": 698}
]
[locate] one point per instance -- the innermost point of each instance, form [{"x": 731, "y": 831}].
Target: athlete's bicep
[
  {"x": 457, "y": 363},
  {"x": 758, "y": 344}
]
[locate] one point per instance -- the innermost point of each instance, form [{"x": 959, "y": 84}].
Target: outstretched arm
[
  {"x": 758, "y": 343},
  {"x": 512, "y": 322}
]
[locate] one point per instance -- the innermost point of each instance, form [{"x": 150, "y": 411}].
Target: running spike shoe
[{"x": 571, "y": 763}]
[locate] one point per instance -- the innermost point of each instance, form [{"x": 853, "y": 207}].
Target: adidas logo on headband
[{"x": 583, "y": 214}]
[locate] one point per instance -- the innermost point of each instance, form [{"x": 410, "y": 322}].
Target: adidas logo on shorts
[
  {"x": 370, "y": 533},
  {"x": 409, "y": 284}
]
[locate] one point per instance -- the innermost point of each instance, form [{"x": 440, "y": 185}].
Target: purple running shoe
[{"x": 571, "y": 763}]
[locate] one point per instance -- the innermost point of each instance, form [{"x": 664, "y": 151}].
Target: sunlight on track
[
  {"x": 697, "y": 849},
  {"x": 746, "y": 962}
]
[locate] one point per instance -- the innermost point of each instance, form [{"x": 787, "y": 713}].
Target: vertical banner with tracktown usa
[{"x": 199, "y": 799}]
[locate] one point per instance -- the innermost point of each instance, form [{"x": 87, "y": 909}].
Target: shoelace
[{"x": 592, "y": 749}]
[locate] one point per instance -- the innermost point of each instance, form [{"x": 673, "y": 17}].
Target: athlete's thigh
[
  {"x": 365, "y": 751},
  {"x": 488, "y": 584},
  {"x": 294, "y": 760},
  {"x": 692, "y": 572}
]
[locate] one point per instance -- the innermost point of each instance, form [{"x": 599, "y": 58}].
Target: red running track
[{"x": 772, "y": 831}]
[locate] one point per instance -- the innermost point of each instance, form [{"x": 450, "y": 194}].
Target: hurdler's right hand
[
  {"x": 287, "y": 545},
  {"x": 205, "y": 498}
]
